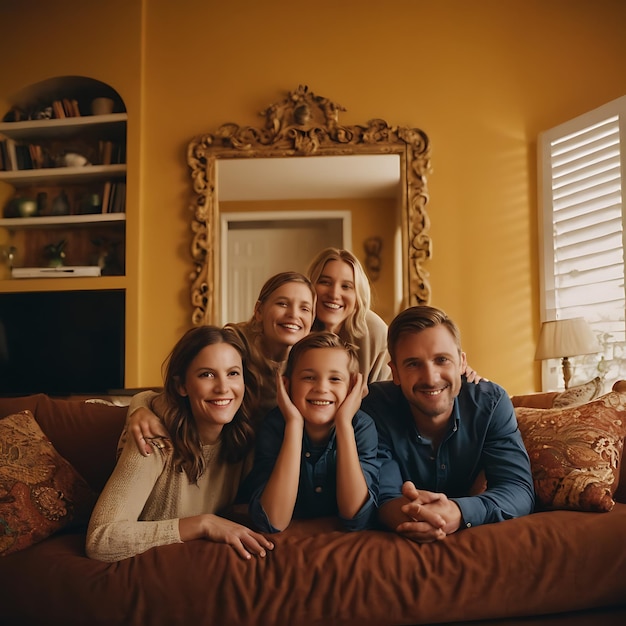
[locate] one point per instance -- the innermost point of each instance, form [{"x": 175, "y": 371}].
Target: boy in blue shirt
[{"x": 316, "y": 453}]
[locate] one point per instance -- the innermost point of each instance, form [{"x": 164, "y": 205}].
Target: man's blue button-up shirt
[{"x": 482, "y": 437}]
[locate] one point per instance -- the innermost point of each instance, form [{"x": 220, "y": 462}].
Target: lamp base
[{"x": 567, "y": 371}]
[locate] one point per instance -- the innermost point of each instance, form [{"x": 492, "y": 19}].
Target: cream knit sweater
[{"x": 144, "y": 498}]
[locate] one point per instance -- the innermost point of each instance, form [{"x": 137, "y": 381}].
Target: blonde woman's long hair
[{"x": 354, "y": 326}]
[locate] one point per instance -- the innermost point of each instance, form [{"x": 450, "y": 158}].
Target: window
[{"x": 582, "y": 172}]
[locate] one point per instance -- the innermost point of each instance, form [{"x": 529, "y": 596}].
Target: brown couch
[{"x": 568, "y": 567}]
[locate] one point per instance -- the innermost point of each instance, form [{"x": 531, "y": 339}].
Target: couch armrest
[{"x": 543, "y": 400}]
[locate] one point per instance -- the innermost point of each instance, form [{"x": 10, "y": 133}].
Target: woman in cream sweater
[{"x": 176, "y": 494}]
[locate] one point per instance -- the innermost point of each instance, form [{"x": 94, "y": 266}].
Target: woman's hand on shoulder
[
  {"x": 148, "y": 431},
  {"x": 472, "y": 375},
  {"x": 244, "y": 541}
]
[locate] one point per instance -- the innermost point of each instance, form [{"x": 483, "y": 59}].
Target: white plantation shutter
[{"x": 582, "y": 174}]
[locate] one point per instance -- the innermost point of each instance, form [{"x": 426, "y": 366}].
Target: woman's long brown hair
[{"x": 236, "y": 437}]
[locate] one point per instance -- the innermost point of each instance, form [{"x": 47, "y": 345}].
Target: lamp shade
[{"x": 565, "y": 338}]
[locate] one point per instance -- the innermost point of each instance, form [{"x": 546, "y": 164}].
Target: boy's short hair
[
  {"x": 321, "y": 339},
  {"x": 414, "y": 320}
]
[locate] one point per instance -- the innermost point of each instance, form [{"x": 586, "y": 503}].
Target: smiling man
[{"x": 441, "y": 438}]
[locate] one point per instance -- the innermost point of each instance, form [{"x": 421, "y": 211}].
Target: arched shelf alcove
[
  {"x": 54, "y": 143},
  {"x": 32, "y": 99}
]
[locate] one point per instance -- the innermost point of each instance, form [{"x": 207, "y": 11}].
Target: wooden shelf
[
  {"x": 63, "y": 175},
  {"x": 102, "y": 138},
  {"x": 35, "y": 130},
  {"x": 61, "y": 220},
  {"x": 13, "y": 285}
]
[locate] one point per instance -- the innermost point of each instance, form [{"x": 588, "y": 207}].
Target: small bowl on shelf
[
  {"x": 20, "y": 206},
  {"x": 74, "y": 159},
  {"x": 26, "y": 207}
]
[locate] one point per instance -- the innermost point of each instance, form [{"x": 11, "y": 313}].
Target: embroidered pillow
[
  {"x": 575, "y": 452},
  {"x": 579, "y": 394},
  {"x": 40, "y": 492}
]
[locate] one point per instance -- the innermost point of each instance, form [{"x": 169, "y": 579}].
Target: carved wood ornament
[{"x": 304, "y": 124}]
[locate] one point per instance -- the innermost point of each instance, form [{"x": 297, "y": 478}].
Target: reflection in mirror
[
  {"x": 318, "y": 197},
  {"x": 256, "y": 245},
  {"x": 246, "y": 177}
]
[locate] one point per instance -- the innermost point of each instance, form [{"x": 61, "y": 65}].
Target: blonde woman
[{"x": 343, "y": 307}]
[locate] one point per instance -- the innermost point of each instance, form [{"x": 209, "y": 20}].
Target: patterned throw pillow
[
  {"x": 579, "y": 394},
  {"x": 40, "y": 492},
  {"x": 575, "y": 452}
]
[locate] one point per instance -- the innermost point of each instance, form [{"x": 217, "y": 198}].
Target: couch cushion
[
  {"x": 575, "y": 452},
  {"x": 579, "y": 394},
  {"x": 40, "y": 492},
  {"x": 319, "y": 575},
  {"x": 541, "y": 400},
  {"x": 558, "y": 399},
  {"x": 84, "y": 433},
  {"x": 9, "y": 406}
]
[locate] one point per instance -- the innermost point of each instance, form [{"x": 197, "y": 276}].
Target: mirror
[{"x": 305, "y": 125}]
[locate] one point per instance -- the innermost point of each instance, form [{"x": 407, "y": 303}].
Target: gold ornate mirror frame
[{"x": 304, "y": 124}]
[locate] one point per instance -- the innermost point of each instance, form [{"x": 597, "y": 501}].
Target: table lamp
[{"x": 560, "y": 339}]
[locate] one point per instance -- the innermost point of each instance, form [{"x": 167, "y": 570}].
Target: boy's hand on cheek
[
  {"x": 352, "y": 402},
  {"x": 286, "y": 406}
]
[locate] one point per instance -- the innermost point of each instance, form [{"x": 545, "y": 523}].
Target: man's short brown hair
[{"x": 415, "y": 319}]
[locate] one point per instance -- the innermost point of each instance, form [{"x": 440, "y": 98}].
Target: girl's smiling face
[
  {"x": 285, "y": 316},
  {"x": 336, "y": 295}
]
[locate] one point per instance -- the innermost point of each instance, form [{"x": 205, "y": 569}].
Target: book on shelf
[
  {"x": 119, "y": 153},
  {"x": 59, "y": 111},
  {"x": 118, "y": 202},
  {"x": 64, "y": 271},
  {"x": 15, "y": 156},
  {"x": 106, "y": 196},
  {"x": 111, "y": 153},
  {"x": 70, "y": 106},
  {"x": 11, "y": 154},
  {"x": 24, "y": 159},
  {"x": 36, "y": 156},
  {"x": 105, "y": 152}
]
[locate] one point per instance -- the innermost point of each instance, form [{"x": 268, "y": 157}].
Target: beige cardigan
[
  {"x": 373, "y": 355},
  {"x": 144, "y": 498}
]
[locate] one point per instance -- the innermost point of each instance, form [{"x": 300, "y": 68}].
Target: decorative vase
[
  {"x": 61, "y": 205},
  {"x": 91, "y": 203},
  {"x": 102, "y": 106}
]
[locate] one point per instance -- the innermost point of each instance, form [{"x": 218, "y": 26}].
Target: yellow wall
[{"x": 481, "y": 78}]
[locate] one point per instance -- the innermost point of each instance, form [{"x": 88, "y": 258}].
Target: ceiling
[{"x": 298, "y": 178}]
